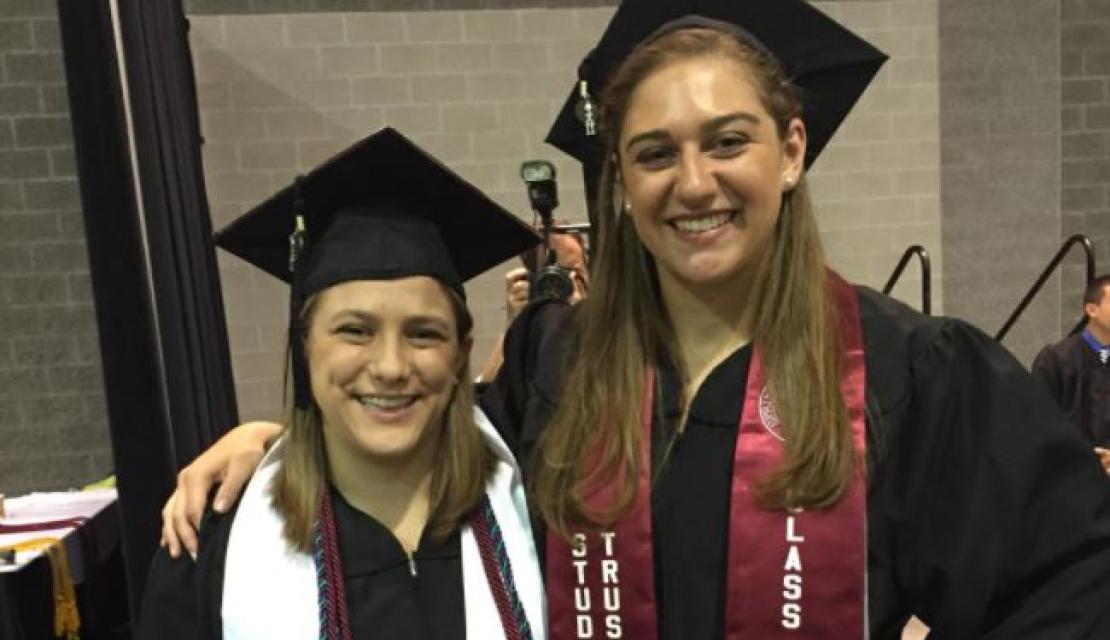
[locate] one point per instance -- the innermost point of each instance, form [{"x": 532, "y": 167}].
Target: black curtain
[
  {"x": 163, "y": 342},
  {"x": 187, "y": 294}
]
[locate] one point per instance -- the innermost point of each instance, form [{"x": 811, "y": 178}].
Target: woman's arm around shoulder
[{"x": 229, "y": 462}]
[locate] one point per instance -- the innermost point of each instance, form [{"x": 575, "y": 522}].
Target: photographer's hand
[
  {"x": 1104, "y": 458},
  {"x": 516, "y": 298},
  {"x": 516, "y": 293}
]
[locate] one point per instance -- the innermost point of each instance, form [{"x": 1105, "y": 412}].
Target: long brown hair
[
  {"x": 595, "y": 436},
  {"x": 462, "y": 465}
]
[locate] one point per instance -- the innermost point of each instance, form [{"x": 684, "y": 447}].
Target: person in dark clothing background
[
  {"x": 1076, "y": 371},
  {"x": 570, "y": 252}
]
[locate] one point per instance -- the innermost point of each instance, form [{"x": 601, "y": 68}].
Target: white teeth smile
[
  {"x": 701, "y": 225},
  {"x": 386, "y": 402}
]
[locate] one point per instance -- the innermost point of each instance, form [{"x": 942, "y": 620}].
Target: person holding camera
[
  {"x": 725, "y": 439},
  {"x": 571, "y": 262},
  {"x": 570, "y": 258}
]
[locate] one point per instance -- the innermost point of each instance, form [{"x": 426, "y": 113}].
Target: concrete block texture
[
  {"x": 435, "y": 26},
  {"x": 345, "y": 123},
  {"x": 34, "y": 132},
  {"x": 49, "y": 361},
  {"x": 492, "y": 26},
  {"x": 48, "y": 35},
  {"x": 876, "y": 186},
  {"x": 1085, "y": 142},
  {"x": 471, "y": 56},
  {"x": 374, "y": 27},
  {"x": 52, "y": 195},
  {"x": 262, "y": 7},
  {"x": 294, "y": 124},
  {"x": 407, "y": 58},
  {"x": 347, "y": 61},
  {"x": 33, "y": 67},
  {"x": 1002, "y": 198},
  {"x": 54, "y": 98},
  {"x": 16, "y": 35},
  {"x": 495, "y": 87},
  {"x": 439, "y": 88},
  {"x": 19, "y": 100},
  {"x": 382, "y": 90},
  {"x": 321, "y": 28},
  {"x": 478, "y": 88}
]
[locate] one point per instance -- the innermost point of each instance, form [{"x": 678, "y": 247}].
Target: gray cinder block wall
[
  {"x": 877, "y": 186},
  {"x": 241, "y": 7},
  {"x": 1000, "y": 163},
  {"x": 53, "y": 425},
  {"x": 1085, "y": 140}
]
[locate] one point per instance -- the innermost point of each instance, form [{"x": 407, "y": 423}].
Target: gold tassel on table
[{"x": 67, "y": 621}]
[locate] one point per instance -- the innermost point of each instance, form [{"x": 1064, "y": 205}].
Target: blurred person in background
[
  {"x": 1076, "y": 371},
  {"x": 571, "y": 254}
]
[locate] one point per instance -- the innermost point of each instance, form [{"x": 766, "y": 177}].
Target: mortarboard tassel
[
  {"x": 586, "y": 104},
  {"x": 302, "y": 392}
]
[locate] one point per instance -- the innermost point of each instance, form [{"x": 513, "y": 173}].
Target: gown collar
[
  {"x": 718, "y": 401},
  {"x": 377, "y": 549},
  {"x": 1102, "y": 351}
]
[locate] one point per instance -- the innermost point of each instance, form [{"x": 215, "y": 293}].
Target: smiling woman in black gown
[{"x": 391, "y": 507}]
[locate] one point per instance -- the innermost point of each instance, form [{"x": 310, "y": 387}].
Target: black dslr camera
[{"x": 549, "y": 280}]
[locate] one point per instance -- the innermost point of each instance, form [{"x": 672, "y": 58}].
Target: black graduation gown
[
  {"x": 988, "y": 517},
  {"x": 1080, "y": 383},
  {"x": 183, "y": 599}
]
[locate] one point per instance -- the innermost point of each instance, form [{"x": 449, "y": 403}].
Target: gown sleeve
[
  {"x": 1046, "y": 369},
  {"x": 996, "y": 513},
  {"x": 521, "y": 399},
  {"x": 182, "y": 598}
]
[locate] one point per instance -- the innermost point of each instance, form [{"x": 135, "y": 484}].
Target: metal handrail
[
  {"x": 1075, "y": 239},
  {"x": 926, "y": 276}
]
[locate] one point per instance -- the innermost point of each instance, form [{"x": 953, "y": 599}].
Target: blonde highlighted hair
[{"x": 623, "y": 326}]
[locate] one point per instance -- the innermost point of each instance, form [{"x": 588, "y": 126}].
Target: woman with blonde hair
[
  {"x": 725, "y": 439},
  {"x": 390, "y": 507}
]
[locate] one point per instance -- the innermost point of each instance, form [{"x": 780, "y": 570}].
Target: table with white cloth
[{"x": 78, "y": 587}]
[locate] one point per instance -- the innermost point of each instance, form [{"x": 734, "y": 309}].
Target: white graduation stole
[{"x": 270, "y": 591}]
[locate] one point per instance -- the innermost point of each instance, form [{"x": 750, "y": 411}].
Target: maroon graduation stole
[{"x": 790, "y": 574}]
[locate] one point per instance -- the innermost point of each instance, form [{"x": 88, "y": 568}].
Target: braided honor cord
[
  {"x": 334, "y": 619},
  {"x": 499, "y": 572},
  {"x": 334, "y": 622}
]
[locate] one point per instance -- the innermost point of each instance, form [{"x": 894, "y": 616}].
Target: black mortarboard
[
  {"x": 830, "y": 64},
  {"x": 382, "y": 208},
  {"x": 379, "y": 210}
]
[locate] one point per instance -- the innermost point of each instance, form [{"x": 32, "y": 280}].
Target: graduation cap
[
  {"x": 380, "y": 210},
  {"x": 831, "y": 65}
]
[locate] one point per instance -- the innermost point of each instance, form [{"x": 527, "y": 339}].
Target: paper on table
[{"x": 46, "y": 507}]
